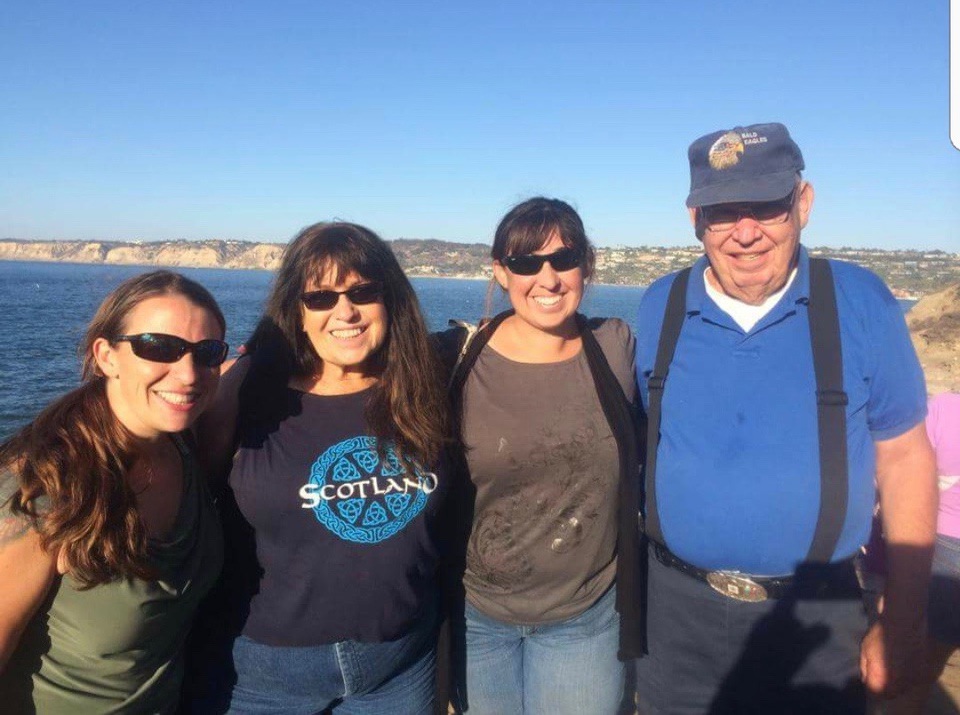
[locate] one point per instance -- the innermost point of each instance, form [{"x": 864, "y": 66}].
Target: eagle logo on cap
[{"x": 725, "y": 151}]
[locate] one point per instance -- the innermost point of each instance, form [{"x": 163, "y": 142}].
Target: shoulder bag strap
[
  {"x": 469, "y": 353},
  {"x": 470, "y": 333},
  {"x": 621, "y": 417}
]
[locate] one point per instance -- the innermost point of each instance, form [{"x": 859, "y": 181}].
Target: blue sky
[{"x": 248, "y": 120}]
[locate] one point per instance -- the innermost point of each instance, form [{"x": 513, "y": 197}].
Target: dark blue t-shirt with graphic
[{"x": 341, "y": 525}]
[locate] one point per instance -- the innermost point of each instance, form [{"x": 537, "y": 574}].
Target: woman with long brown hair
[
  {"x": 331, "y": 427},
  {"x": 108, "y": 537}
]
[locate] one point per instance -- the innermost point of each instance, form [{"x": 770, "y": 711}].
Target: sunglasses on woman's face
[
  {"x": 159, "y": 347},
  {"x": 359, "y": 295},
  {"x": 566, "y": 259}
]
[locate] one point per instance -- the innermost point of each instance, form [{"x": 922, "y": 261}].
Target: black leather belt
[{"x": 812, "y": 581}]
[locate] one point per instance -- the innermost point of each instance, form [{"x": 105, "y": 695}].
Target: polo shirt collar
[{"x": 699, "y": 303}]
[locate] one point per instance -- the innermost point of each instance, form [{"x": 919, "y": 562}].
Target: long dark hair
[
  {"x": 408, "y": 403},
  {"x": 71, "y": 461}
]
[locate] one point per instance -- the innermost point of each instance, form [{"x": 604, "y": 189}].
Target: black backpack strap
[
  {"x": 673, "y": 316},
  {"x": 831, "y": 411},
  {"x": 621, "y": 417},
  {"x": 469, "y": 352}
]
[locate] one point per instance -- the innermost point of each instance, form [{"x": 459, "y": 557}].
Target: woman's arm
[
  {"x": 26, "y": 574},
  {"x": 217, "y": 426}
]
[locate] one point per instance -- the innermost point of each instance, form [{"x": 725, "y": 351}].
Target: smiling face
[
  {"x": 348, "y": 336},
  {"x": 548, "y": 300},
  {"x": 751, "y": 261},
  {"x": 153, "y": 398}
]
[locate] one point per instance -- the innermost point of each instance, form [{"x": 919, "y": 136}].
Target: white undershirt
[{"x": 744, "y": 314}]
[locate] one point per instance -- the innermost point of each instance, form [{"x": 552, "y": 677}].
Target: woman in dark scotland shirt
[{"x": 331, "y": 427}]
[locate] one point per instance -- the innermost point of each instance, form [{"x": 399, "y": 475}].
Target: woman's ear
[
  {"x": 105, "y": 356},
  {"x": 500, "y": 274}
]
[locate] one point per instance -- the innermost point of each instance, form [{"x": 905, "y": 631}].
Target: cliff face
[
  {"x": 66, "y": 251},
  {"x": 934, "y": 324},
  {"x": 908, "y": 273},
  {"x": 197, "y": 254}
]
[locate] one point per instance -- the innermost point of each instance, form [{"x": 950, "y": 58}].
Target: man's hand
[
  {"x": 893, "y": 653},
  {"x": 892, "y": 659}
]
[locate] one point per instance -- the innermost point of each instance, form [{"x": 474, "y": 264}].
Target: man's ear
[
  {"x": 805, "y": 202},
  {"x": 697, "y": 222},
  {"x": 105, "y": 356},
  {"x": 500, "y": 274}
]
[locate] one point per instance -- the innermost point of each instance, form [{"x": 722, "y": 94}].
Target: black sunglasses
[
  {"x": 159, "y": 347},
  {"x": 359, "y": 295},
  {"x": 566, "y": 259}
]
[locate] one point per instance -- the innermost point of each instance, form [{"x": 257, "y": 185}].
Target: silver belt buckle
[{"x": 738, "y": 587}]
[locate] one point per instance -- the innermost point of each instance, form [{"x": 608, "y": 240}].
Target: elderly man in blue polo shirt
[{"x": 782, "y": 392}]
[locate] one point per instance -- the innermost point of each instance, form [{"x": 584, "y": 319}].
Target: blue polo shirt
[{"x": 738, "y": 466}]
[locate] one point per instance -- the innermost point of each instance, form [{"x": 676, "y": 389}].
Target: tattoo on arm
[{"x": 12, "y": 527}]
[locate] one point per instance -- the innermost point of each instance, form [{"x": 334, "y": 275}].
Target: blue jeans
[
  {"x": 566, "y": 667},
  {"x": 943, "y": 614},
  {"x": 351, "y": 677}
]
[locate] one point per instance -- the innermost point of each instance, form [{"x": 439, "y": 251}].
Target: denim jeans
[
  {"x": 351, "y": 677},
  {"x": 943, "y": 614},
  {"x": 566, "y": 667}
]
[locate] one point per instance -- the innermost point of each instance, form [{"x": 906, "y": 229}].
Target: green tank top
[{"x": 118, "y": 647}]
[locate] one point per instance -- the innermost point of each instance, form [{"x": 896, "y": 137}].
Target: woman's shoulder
[
  {"x": 14, "y": 522},
  {"x": 618, "y": 344},
  {"x": 450, "y": 344},
  {"x": 613, "y": 334}
]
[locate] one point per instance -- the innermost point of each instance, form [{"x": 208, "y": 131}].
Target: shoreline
[
  {"x": 59, "y": 261},
  {"x": 207, "y": 259}
]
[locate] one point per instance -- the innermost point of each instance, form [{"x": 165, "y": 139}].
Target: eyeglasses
[
  {"x": 159, "y": 347},
  {"x": 566, "y": 259},
  {"x": 723, "y": 217},
  {"x": 360, "y": 295}
]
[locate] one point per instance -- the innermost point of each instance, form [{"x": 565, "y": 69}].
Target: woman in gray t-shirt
[{"x": 546, "y": 405}]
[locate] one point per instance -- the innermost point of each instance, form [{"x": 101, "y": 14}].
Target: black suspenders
[
  {"x": 831, "y": 411},
  {"x": 831, "y": 404},
  {"x": 673, "y": 317}
]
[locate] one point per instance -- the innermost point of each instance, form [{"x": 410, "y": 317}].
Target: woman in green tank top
[{"x": 108, "y": 537}]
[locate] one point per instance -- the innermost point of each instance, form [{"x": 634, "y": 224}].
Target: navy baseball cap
[{"x": 755, "y": 163}]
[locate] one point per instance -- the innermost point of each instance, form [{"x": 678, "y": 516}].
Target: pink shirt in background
[{"x": 943, "y": 428}]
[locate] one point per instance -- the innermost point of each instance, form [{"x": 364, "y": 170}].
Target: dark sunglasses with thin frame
[
  {"x": 160, "y": 347},
  {"x": 362, "y": 294},
  {"x": 566, "y": 259}
]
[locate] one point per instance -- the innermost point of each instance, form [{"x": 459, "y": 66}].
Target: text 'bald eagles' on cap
[{"x": 760, "y": 162}]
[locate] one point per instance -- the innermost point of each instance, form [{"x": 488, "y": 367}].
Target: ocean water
[{"x": 46, "y": 306}]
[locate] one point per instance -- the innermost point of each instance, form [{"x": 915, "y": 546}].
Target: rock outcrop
[
  {"x": 934, "y": 324},
  {"x": 909, "y": 273},
  {"x": 194, "y": 254}
]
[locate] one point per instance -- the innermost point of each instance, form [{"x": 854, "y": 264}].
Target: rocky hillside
[
  {"x": 197, "y": 254},
  {"x": 418, "y": 257},
  {"x": 908, "y": 273},
  {"x": 934, "y": 324}
]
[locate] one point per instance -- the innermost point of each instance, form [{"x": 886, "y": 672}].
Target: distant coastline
[{"x": 910, "y": 274}]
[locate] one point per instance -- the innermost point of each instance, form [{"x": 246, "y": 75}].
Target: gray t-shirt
[{"x": 545, "y": 465}]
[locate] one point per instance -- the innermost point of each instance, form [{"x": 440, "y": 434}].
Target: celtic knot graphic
[{"x": 366, "y": 496}]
